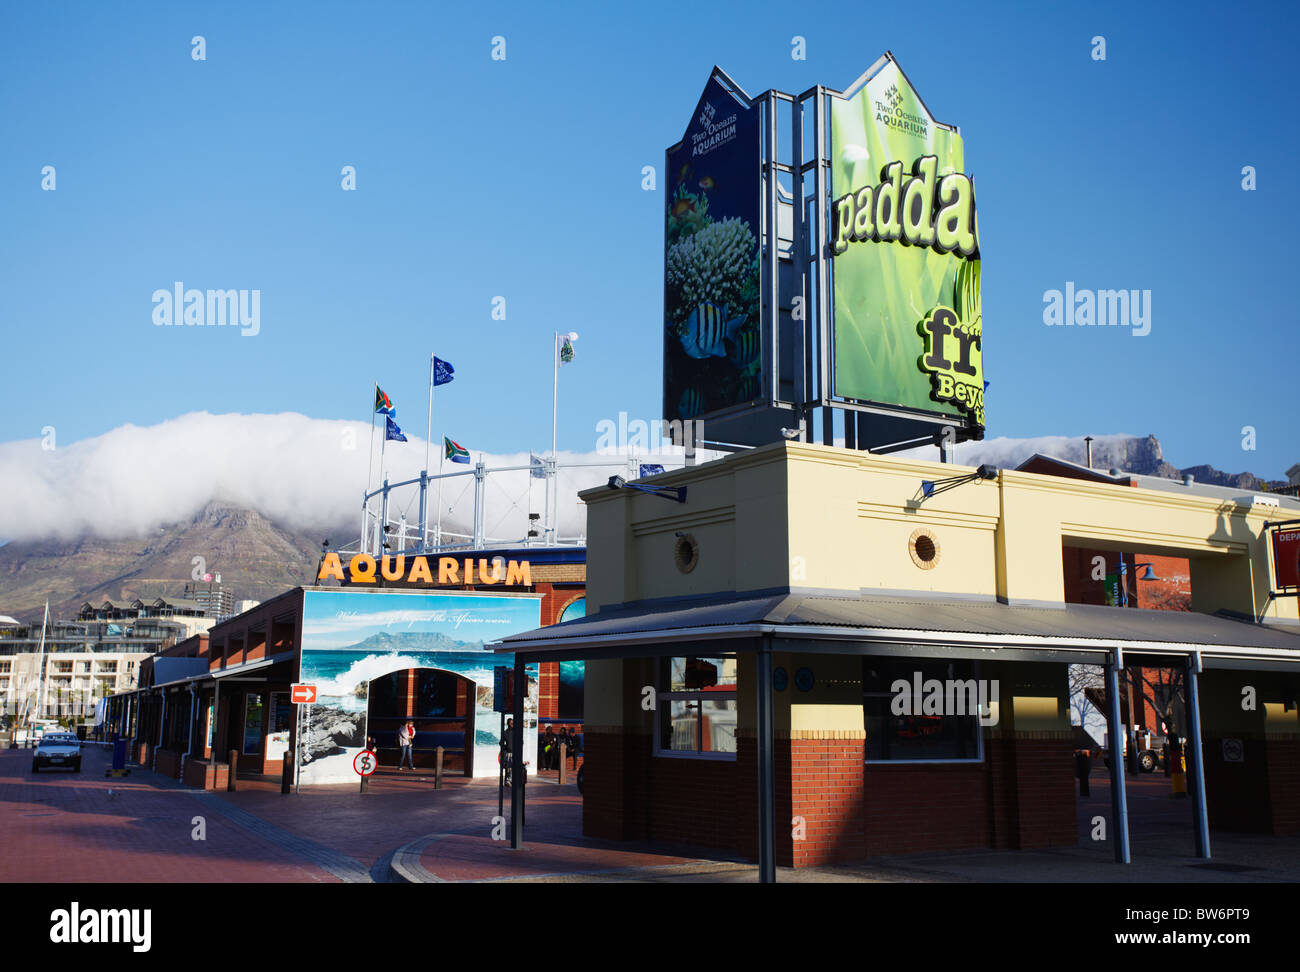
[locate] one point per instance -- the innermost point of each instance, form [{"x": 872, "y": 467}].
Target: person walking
[
  {"x": 550, "y": 749},
  {"x": 507, "y": 745},
  {"x": 406, "y": 740}
]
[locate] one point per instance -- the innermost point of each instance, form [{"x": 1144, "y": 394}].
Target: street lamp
[{"x": 1147, "y": 575}]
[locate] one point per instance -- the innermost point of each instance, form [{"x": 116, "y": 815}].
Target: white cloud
[{"x": 292, "y": 469}]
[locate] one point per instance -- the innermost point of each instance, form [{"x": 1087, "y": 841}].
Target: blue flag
[
  {"x": 650, "y": 469},
  {"x": 443, "y": 372},
  {"x": 391, "y": 430}
]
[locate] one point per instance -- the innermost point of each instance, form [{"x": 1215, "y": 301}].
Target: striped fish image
[
  {"x": 704, "y": 332},
  {"x": 691, "y": 403},
  {"x": 744, "y": 348}
]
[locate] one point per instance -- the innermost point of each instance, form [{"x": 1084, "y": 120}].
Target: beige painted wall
[{"x": 811, "y": 516}]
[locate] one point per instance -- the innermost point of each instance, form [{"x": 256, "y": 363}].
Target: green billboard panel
[{"x": 904, "y": 238}]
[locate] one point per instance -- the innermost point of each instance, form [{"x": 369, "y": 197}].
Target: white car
[{"x": 57, "y": 749}]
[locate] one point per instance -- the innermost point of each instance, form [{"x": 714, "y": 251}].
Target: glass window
[
  {"x": 921, "y": 710},
  {"x": 697, "y": 706}
]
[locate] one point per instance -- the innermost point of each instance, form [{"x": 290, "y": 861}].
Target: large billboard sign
[
  {"x": 713, "y": 333},
  {"x": 350, "y": 638},
  {"x": 904, "y": 239}
]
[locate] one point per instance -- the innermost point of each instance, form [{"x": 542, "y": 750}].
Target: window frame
[{"x": 664, "y": 696}]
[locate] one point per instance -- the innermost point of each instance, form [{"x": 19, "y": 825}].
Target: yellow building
[{"x": 811, "y": 634}]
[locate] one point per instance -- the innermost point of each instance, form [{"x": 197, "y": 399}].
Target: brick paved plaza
[{"x": 86, "y": 827}]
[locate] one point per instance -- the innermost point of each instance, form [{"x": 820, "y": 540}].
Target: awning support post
[
  {"x": 766, "y": 766},
  {"x": 1115, "y": 733},
  {"x": 518, "y": 771},
  {"x": 1193, "y": 747}
]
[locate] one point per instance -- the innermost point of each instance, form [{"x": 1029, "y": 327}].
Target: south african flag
[
  {"x": 455, "y": 451},
  {"x": 383, "y": 404}
]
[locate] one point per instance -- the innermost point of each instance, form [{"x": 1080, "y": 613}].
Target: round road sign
[{"x": 365, "y": 762}]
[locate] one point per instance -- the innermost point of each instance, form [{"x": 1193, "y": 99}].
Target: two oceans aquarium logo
[{"x": 905, "y": 235}]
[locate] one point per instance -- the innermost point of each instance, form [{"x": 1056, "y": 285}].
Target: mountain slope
[{"x": 255, "y": 559}]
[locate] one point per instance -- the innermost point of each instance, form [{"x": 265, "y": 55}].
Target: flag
[
  {"x": 537, "y": 468},
  {"x": 650, "y": 469},
  {"x": 391, "y": 430},
  {"x": 566, "y": 351},
  {"x": 383, "y": 404},
  {"x": 443, "y": 372},
  {"x": 455, "y": 451}
]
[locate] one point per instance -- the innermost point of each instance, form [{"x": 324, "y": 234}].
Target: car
[{"x": 57, "y": 749}]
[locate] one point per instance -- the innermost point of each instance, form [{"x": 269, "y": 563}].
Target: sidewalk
[{"x": 60, "y": 826}]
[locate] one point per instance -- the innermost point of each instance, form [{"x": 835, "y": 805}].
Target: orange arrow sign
[{"x": 302, "y": 694}]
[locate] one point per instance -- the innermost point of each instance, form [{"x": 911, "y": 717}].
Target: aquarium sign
[
  {"x": 904, "y": 236},
  {"x": 399, "y": 568}
]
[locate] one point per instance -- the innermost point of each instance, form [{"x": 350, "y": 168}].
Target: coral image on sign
[
  {"x": 350, "y": 638},
  {"x": 712, "y": 346},
  {"x": 905, "y": 238}
]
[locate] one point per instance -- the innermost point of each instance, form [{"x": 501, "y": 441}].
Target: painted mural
[{"x": 350, "y": 638}]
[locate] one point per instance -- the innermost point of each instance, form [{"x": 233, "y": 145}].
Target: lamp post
[
  {"x": 553, "y": 484},
  {"x": 1148, "y": 574}
]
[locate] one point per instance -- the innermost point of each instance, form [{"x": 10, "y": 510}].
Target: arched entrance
[{"x": 440, "y": 703}]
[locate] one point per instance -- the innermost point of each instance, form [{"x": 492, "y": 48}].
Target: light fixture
[
  {"x": 929, "y": 487},
  {"x": 677, "y": 493}
]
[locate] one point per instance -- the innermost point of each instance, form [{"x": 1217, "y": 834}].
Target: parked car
[{"x": 57, "y": 749}]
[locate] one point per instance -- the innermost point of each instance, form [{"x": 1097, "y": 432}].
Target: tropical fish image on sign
[
  {"x": 711, "y": 271},
  {"x": 905, "y": 241}
]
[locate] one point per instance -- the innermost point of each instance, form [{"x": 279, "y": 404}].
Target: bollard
[
  {"x": 437, "y": 769},
  {"x": 1177, "y": 776},
  {"x": 564, "y": 763},
  {"x": 1082, "y": 769},
  {"x": 230, "y": 775},
  {"x": 365, "y": 783},
  {"x": 286, "y": 773}
]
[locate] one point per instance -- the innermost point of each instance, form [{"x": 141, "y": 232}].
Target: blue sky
[{"x": 480, "y": 178}]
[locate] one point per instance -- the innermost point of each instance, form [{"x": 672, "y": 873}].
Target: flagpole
[
  {"x": 438, "y": 535},
  {"x": 369, "y": 469},
  {"x": 551, "y": 485},
  {"x": 429, "y": 435}
]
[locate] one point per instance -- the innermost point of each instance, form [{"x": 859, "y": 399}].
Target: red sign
[
  {"x": 1286, "y": 557},
  {"x": 302, "y": 694},
  {"x": 365, "y": 762}
]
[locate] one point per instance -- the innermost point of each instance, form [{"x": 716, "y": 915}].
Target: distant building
[
  {"x": 1293, "y": 475},
  {"x": 95, "y": 656},
  {"x": 215, "y": 600}
]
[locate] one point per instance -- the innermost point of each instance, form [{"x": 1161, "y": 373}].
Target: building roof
[
  {"x": 915, "y": 619},
  {"x": 1243, "y": 497}
]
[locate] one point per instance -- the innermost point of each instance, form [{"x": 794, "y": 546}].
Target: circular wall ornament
[
  {"x": 780, "y": 679},
  {"x": 686, "y": 553},
  {"x": 924, "y": 549},
  {"x": 803, "y": 679}
]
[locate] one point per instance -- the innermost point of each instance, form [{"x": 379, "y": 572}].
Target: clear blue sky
[{"x": 521, "y": 178}]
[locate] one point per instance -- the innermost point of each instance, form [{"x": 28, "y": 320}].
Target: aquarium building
[{"x": 409, "y": 645}]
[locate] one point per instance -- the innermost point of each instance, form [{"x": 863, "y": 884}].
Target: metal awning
[
  {"x": 974, "y": 627},
  {"x": 169, "y": 671}
]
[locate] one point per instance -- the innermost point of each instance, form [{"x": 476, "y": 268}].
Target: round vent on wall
[
  {"x": 924, "y": 548},
  {"x": 686, "y": 553}
]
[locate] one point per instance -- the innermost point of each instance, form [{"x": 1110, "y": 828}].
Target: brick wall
[
  {"x": 168, "y": 763},
  {"x": 1021, "y": 795},
  {"x": 1284, "y": 784}
]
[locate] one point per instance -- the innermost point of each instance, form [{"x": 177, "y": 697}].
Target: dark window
[{"x": 908, "y": 732}]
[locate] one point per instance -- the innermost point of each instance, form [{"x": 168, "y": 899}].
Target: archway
[{"x": 441, "y": 703}]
